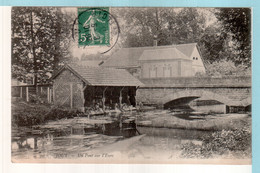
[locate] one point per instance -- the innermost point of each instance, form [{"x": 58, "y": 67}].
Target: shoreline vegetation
[{"x": 228, "y": 134}]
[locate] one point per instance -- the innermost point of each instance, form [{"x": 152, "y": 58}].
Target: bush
[
  {"x": 232, "y": 140},
  {"x": 219, "y": 143},
  {"x": 24, "y": 114},
  {"x": 59, "y": 113},
  {"x": 191, "y": 150},
  {"x": 227, "y": 67}
]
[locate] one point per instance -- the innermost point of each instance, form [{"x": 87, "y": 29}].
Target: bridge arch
[{"x": 206, "y": 95}]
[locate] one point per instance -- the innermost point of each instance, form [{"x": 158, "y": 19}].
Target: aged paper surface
[{"x": 169, "y": 86}]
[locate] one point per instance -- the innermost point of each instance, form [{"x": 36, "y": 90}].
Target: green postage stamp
[{"x": 93, "y": 26}]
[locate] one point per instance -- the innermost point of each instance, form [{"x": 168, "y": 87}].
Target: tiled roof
[
  {"x": 163, "y": 54},
  {"x": 90, "y": 63},
  {"x": 186, "y": 49},
  {"x": 128, "y": 57},
  {"x": 101, "y": 76}
]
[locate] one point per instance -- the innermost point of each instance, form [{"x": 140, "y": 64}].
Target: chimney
[{"x": 155, "y": 41}]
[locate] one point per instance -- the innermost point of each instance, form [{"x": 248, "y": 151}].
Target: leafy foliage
[
  {"x": 226, "y": 68},
  {"x": 163, "y": 24},
  {"x": 24, "y": 114},
  {"x": 223, "y": 142},
  {"x": 40, "y": 40},
  {"x": 41, "y": 35},
  {"x": 237, "y": 23},
  {"x": 227, "y": 37}
]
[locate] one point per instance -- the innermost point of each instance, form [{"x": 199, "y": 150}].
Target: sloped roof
[
  {"x": 186, "y": 49},
  {"x": 90, "y": 63},
  {"x": 163, "y": 54},
  {"x": 101, "y": 76},
  {"x": 125, "y": 57},
  {"x": 128, "y": 57}
]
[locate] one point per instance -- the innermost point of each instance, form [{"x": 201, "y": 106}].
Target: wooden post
[
  {"x": 51, "y": 95},
  {"x": 27, "y": 94},
  {"x": 21, "y": 92},
  {"x": 83, "y": 97},
  {"x": 71, "y": 95},
  {"x": 48, "y": 94},
  {"x": 35, "y": 143},
  {"x": 120, "y": 98},
  {"x": 104, "y": 98}
]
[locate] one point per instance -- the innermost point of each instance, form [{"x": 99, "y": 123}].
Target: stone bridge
[{"x": 229, "y": 90}]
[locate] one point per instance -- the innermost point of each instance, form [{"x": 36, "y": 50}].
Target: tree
[
  {"x": 40, "y": 40},
  {"x": 167, "y": 25},
  {"x": 214, "y": 45},
  {"x": 227, "y": 67},
  {"x": 146, "y": 24},
  {"x": 187, "y": 26},
  {"x": 227, "y": 37},
  {"x": 237, "y": 23}
]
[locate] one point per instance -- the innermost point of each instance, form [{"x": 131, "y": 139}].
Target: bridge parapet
[{"x": 226, "y": 81}]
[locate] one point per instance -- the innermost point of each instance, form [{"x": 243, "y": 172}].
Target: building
[
  {"x": 183, "y": 60},
  {"x": 77, "y": 86},
  {"x": 90, "y": 63}
]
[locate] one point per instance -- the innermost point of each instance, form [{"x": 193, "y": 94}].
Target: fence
[{"x": 28, "y": 93}]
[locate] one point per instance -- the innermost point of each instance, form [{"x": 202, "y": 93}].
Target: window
[
  {"x": 167, "y": 70},
  {"x": 153, "y": 71},
  {"x": 179, "y": 68}
]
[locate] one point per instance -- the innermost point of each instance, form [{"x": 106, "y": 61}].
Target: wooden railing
[{"x": 28, "y": 92}]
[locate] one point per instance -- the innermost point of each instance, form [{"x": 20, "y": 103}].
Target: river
[{"x": 68, "y": 143}]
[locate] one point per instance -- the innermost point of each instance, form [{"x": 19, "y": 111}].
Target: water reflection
[
  {"x": 70, "y": 141},
  {"x": 51, "y": 145}
]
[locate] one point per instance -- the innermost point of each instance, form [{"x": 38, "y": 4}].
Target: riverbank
[
  {"x": 51, "y": 131},
  {"x": 213, "y": 122},
  {"x": 32, "y": 114}
]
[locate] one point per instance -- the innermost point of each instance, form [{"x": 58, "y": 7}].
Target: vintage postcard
[{"x": 134, "y": 85}]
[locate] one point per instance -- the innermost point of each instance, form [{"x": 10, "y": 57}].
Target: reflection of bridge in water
[{"x": 232, "y": 91}]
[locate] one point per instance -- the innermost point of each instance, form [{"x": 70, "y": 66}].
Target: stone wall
[
  {"x": 233, "y": 91},
  {"x": 227, "y": 81}
]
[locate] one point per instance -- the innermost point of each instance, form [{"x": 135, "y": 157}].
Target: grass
[{"x": 30, "y": 114}]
